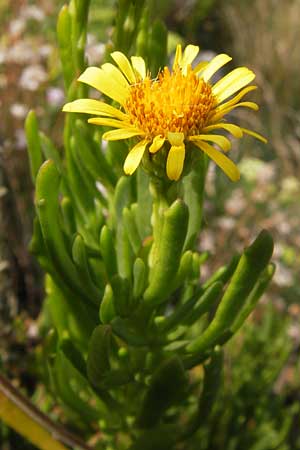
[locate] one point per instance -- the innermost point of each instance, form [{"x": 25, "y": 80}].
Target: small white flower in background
[
  {"x": 294, "y": 332},
  {"x": 282, "y": 276},
  {"x": 18, "y": 110},
  {"x": 20, "y": 139},
  {"x": 44, "y": 51},
  {"x": 208, "y": 241},
  {"x": 236, "y": 204},
  {"x": 32, "y": 77},
  {"x": 22, "y": 52},
  {"x": 94, "y": 50},
  {"x": 255, "y": 170},
  {"x": 16, "y": 27},
  {"x": 33, "y": 12},
  {"x": 55, "y": 96},
  {"x": 226, "y": 223}
]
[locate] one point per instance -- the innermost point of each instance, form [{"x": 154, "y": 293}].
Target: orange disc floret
[{"x": 171, "y": 103}]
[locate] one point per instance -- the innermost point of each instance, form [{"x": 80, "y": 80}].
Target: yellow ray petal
[
  {"x": 116, "y": 135},
  {"x": 221, "y": 160},
  {"x": 189, "y": 54},
  {"x": 175, "y": 138},
  {"x": 199, "y": 68},
  {"x": 175, "y": 161},
  {"x": 222, "y": 141},
  {"x": 256, "y": 135},
  {"x": 214, "y": 65},
  {"x": 237, "y": 97},
  {"x": 178, "y": 56},
  {"x": 216, "y": 116},
  {"x": 157, "y": 143},
  {"x": 233, "y": 129},
  {"x": 134, "y": 157},
  {"x": 113, "y": 72},
  {"x": 98, "y": 79},
  {"x": 232, "y": 82},
  {"x": 139, "y": 66},
  {"x": 91, "y": 106},
  {"x": 107, "y": 122},
  {"x": 232, "y": 77},
  {"x": 125, "y": 66}
]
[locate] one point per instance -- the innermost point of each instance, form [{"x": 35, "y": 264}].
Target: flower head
[{"x": 178, "y": 107}]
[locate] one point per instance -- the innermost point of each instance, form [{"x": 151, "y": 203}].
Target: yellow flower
[{"x": 177, "y": 107}]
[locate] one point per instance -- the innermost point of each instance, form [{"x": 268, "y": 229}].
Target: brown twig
[{"x": 58, "y": 432}]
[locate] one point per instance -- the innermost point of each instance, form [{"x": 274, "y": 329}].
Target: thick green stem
[{"x": 160, "y": 204}]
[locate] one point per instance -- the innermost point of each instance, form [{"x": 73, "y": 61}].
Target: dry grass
[{"x": 265, "y": 35}]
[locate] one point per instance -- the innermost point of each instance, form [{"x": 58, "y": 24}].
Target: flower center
[{"x": 172, "y": 103}]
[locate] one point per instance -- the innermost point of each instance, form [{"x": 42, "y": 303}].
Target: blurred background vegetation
[{"x": 259, "y": 404}]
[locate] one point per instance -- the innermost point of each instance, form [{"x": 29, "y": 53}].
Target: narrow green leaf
[
  {"x": 108, "y": 252},
  {"x": 251, "y": 264},
  {"x": 64, "y": 30},
  {"x": 124, "y": 329},
  {"x": 122, "y": 198},
  {"x": 47, "y": 191},
  {"x": 224, "y": 273},
  {"x": 143, "y": 36},
  {"x": 98, "y": 364},
  {"x": 211, "y": 386},
  {"x": 33, "y": 144},
  {"x": 139, "y": 277},
  {"x": 184, "y": 271},
  {"x": 92, "y": 156},
  {"x": 166, "y": 388},
  {"x": 73, "y": 355},
  {"x": 50, "y": 151},
  {"x": 157, "y": 46},
  {"x": 80, "y": 258},
  {"x": 68, "y": 215},
  {"x": 193, "y": 185},
  {"x": 131, "y": 230},
  {"x": 107, "y": 309},
  {"x": 205, "y": 303},
  {"x": 122, "y": 295},
  {"x": 144, "y": 204},
  {"x": 254, "y": 297},
  {"x": 169, "y": 253}
]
